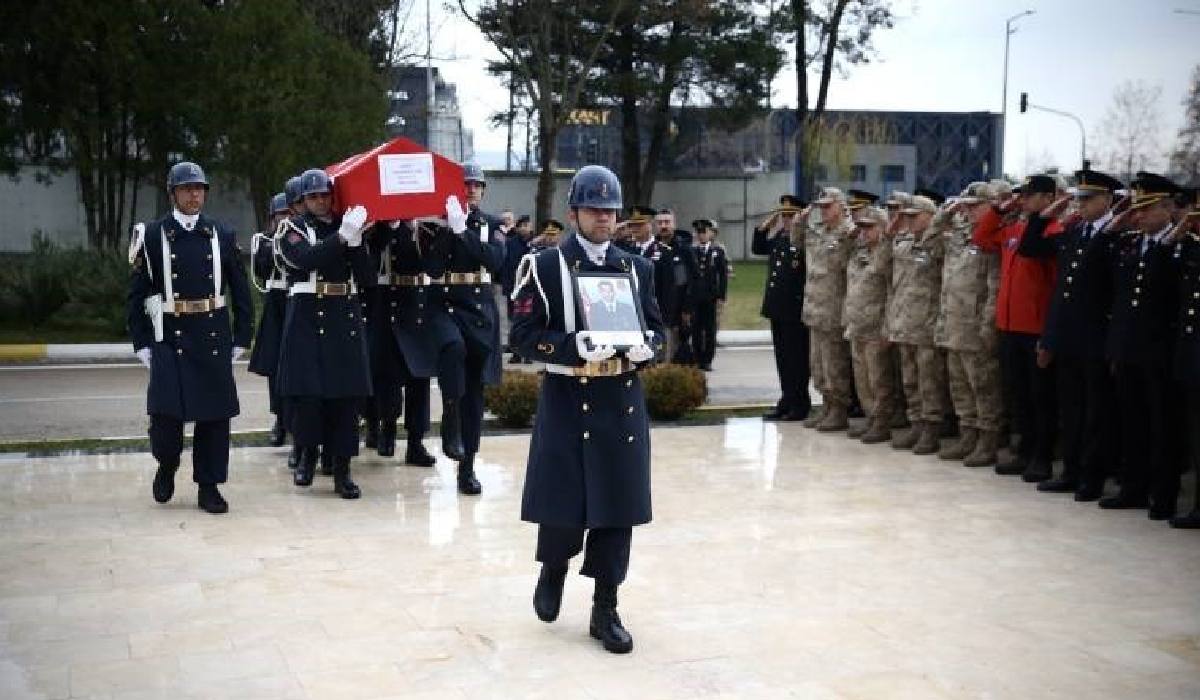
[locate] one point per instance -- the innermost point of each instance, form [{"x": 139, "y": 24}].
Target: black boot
[
  {"x": 547, "y": 597},
  {"x": 294, "y": 457},
  {"x": 306, "y": 468},
  {"x": 467, "y": 483},
  {"x": 342, "y": 485},
  {"x": 1038, "y": 471},
  {"x": 1017, "y": 465},
  {"x": 326, "y": 464},
  {"x": 164, "y": 482},
  {"x": 209, "y": 499},
  {"x": 387, "y": 439},
  {"x": 372, "y": 439},
  {"x": 417, "y": 455},
  {"x": 278, "y": 434},
  {"x": 606, "y": 623},
  {"x": 452, "y": 445}
]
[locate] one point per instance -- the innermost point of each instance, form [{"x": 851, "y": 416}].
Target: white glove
[
  {"x": 238, "y": 352},
  {"x": 640, "y": 353},
  {"x": 456, "y": 216},
  {"x": 144, "y": 355},
  {"x": 352, "y": 225},
  {"x": 597, "y": 353}
]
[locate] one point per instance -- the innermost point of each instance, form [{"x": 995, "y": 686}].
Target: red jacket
[{"x": 1025, "y": 283}]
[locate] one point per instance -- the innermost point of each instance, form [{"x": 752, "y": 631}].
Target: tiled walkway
[{"x": 781, "y": 563}]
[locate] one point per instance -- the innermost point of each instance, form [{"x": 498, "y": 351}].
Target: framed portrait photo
[{"x": 610, "y": 308}]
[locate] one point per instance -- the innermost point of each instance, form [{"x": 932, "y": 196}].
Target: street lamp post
[
  {"x": 1083, "y": 159},
  {"x": 1008, "y": 32}
]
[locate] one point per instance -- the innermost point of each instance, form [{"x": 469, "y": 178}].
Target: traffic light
[{"x": 1024, "y": 102}]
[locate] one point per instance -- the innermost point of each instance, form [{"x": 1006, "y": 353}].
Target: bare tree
[
  {"x": 1185, "y": 157},
  {"x": 1128, "y": 138}
]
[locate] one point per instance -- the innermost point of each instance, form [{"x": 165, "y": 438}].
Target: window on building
[
  {"x": 858, "y": 173},
  {"x": 399, "y": 95},
  {"x": 891, "y": 173},
  {"x": 395, "y": 120}
]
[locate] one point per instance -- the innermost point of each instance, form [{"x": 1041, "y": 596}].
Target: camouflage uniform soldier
[
  {"x": 896, "y": 202},
  {"x": 868, "y": 279},
  {"x": 826, "y": 251},
  {"x": 965, "y": 328},
  {"x": 912, "y": 314}
]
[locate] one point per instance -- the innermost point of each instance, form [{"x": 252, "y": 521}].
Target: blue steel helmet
[
  {"x": 315, "y": 181},
  {"x": 473, "y": 173},
  {"x": 185, "y": 173},
  {"x": 279, "y": 204},
  {"x": 292, "y": 190},
  {"x": 595, "y": 186}
]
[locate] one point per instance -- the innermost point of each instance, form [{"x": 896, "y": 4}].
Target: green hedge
[{"x": 65, "y": 288}]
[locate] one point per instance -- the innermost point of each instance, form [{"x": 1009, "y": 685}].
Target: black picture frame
[{"x": 621, "y": 329}]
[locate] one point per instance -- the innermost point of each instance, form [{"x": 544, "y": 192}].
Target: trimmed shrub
[
  {"x": 514, "y": 400},
  {"x": 673, "y": 390}
]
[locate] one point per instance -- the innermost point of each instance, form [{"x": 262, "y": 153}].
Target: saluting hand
[{"x": 1057, "y": 208}]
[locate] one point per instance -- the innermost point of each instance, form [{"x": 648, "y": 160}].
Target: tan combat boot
[
  {"x": 877, "y": 430},
  {"x": 906, "y": 438},
  {"x": 858, "y": 430},
  {"x": 985, "y": 450},
  {"x": 963, "y": 447},
  {"x": 815, "y": 416},
  {"x": 834, "y": 420},
  {"x": 927, "y": 442}
]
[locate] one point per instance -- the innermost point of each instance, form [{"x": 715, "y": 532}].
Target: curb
[
  {"x": 51, "y": 353},
  {"x": 705, "y": 415}
]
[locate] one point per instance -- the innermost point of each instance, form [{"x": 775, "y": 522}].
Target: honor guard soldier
[
  {"x": 781, "y": 239},
  {"x": 187, "y": 272},
  {"x": 324, "y": 369},
  {"x": 966, "y": 329},
  {"x": 1026, "y": 284},
  {"x": 269, "y": 279},
  {"x": 589, "y": 458},
  {"x": 473, "y": 250},
  {"x": 673, "y": 274},
  {"x": 412, "y": 340},
  {"x": 709, "y": 288},
  {"x": 868, "y": 281},
  {"x": 826, "y": 253},
  {"x": 1186, "y": 259},
  {"x": 1074, "y": 335},
  {"x": 1144, "y": 310}
]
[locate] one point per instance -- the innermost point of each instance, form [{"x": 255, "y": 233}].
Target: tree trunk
[
  {"x": 631, "y": 142},
  {"x": 512, "y": 114},
  {"x": 800, "y": 19},
  {"x": 547, "y": 135},
  {"x": 661, "y": 126}
]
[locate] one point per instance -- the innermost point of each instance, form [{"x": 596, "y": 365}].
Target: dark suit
[
  {"x": 709, "y": 286},
  {"x": 191, "y": 369},
  {"x": 783, "y": 303},
  {"x": 622, "y": 317},
  {"x": 1075, "y": 332}
]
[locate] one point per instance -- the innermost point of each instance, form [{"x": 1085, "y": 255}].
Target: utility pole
[
  {"x": 1027, "y": 105},
  {"x": 1008, "y": 32},
  {"x": 430, "y": 98}
]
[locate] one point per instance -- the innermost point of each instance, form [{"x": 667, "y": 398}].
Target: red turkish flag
[{"x": 399, "y": 179}]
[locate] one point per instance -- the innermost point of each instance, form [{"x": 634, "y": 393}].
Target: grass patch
[{"x": 745, "y": 296}]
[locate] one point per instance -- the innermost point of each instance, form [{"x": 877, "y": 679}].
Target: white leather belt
[{"x": 276, "y": 284}]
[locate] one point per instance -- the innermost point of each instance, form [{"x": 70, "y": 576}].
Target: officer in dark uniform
[
  {"x": 412, "y": 339},
  {"x": 1186, "y": 259},
  {"x": 589, "y": 458},
  {"x": 187, "y": 272},
  {"x": 1075, "y": 330},
  {"x": 291, "y": 190},
  {"x": 673, "y": 274},
  {"x": 708, "y": 291},
  {"x": 857, "y": 199},
  {"x": 472, "y": 248},
  {"x": 783, "y": 302},
  {"x": 323, "y": 362},
  {"x": 269, "y": 280},
  {"x": 633, "y": 234},
  {"x": 550, "y": 237},
  {"x": 1143, "y": 309}
]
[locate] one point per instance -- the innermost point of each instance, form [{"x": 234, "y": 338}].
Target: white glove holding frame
[
  {"x": 144, "y": 356},
  {"x": 589, "y": 351},
  {"x": 640, "y": 353}
]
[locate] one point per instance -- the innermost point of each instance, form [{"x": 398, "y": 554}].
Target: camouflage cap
[
  {"x": 1000, "y": 188},
  {"x": 898, "y": 200},
  {"x": 871, "y": 216},
  {"x": 829, "y": 195},
  {"x": 920, "y": 204},
  {"x": 975, "y": 193}
]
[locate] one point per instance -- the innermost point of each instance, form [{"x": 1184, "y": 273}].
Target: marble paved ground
[{"x": 781, "y": 563}]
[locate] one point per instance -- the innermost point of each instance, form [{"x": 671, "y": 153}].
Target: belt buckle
[{"x": 336, "y": 288}]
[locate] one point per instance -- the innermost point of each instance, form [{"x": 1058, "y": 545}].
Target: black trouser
[
  {"x": 210, "y": 446},
  {"x": 471, "y": 404},
  {"x": 1086, "y": 397},
  {"x": 331, "y": 424},
  {"x": 1147, "y": 432},
  {"x": 415, "y": 395},
  {"x": 452, "y": 357},
  {"x": 791, "y": 363},
  {"x": 704, "y": 332},
  {"x": 1191, "y": 433},
  {"x": 1031, "y": 390},
  {"x": 274, "y": 397},
  {"x": 607, "y": 555}
]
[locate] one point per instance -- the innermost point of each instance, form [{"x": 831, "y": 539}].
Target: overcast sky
[{"x": 948, "y": 55}]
